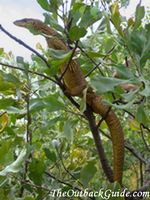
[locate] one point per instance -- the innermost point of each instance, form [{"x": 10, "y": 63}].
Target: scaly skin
[{"x": 75, "y": 84}]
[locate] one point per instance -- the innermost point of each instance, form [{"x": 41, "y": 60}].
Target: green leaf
[
  {"x": 20, "y": 59},
  {"x": 16, "y": 165},
  {"x": 141, "y": 116},
  {"x": 54, "y": 5},
  {"x": 5, "y": 103},
  {"x": 68, "y": 131},
  {"x": 52, "y": 122},
  {"x": 59, "y": 54},
  {"x": 134, "y": 125},
  {"x": 124, "y": 72},
  {"x": 1, "y": 51},
  {"x": 108, "y": 44},
  {"x": 94, "y": 11},
  {"x": 146, "y": 91},
  {"x": 146, "y": 53},
  {"x": 106, "y": 84},
  {"x": 28, "y": 198},
  {"x": 94, "y": 54},
  {"x": 93, "y": 14},
  {"x": 36, "y": 170},
  {"x": 50, "y": 20},
  {"x": 40, "y": 62},
  {"x": 51, "y": 155},
  {"x": 50, "y": 6},
  {"x": 83, "y": 101},
  {"x": 5, "y": 153},
  {"x": 56, "y": 59},
  {"x": 116, "y": 17},
  {"x": 3, "y": 182},
  {"x": 130, "y": 96},
  {"x": 7, "y": 87},
  {"x": 140, "y": 12},
  {"x": 87, "y": 173},
  {"x": 75, "y": 14},
  {"x": 11, "y": 79},
  {"x": 51, "y": 103},
  {"x": 122, "y": 106},
  {"x": 124, "y": 3},
  {"x": 4, "y": 195},
  {"x": 136, "y": 41},
  {"x": 36, "y": 105},
  {"x": 76, "y": 33},
  {"x": 44, "y": 4}
]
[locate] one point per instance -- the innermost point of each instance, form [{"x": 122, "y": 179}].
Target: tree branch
[
  {"x": 58, "y": 81},
  {"x": 24, "y": 44},
  {"x": 65, "y": 183},
  {"x": 30, "y": 71},
  {"x": 70, "y": 59},
  {"x": 104, "y": 117},
  {"x": 96, "y": 65},
  {"x": 67, "y": 171},
  {"x": 102, "y": 156},
  {"x": 28, "y": 130},
  {"x": 144, "y": 141}
]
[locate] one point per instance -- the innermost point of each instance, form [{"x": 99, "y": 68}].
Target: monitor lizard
[{"x": 75, "y": 83}]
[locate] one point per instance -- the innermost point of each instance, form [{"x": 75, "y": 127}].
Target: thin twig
[
  {"x": 30, "y": 71},
  {"x": 28, "y": 131},
  {"x": 65, "y": 183},
  {"x": 58, "y": 81},
  {"x": 104, "y": 117},
  {"x": 29, "y": 120},
  {"x": 27, "y": 182},
  {"x": 145, "y": 127},
  {"x": 75, "y": 113},
  {"x": 61, "y": 85},
  {"x": 97, "y": 65},
  {"x": 98, "y": 143},
  {"x": 70, "y": 59},
  {"x": 24, "y": 44},
  {"x": 103, "y": 4},
  {"x": 142, "y": 134},
  {"x": 61, "y": 181},
  {"x": 68, "y": 172}
]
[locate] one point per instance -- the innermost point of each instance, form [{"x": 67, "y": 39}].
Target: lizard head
[
  {"x": 38, "y": 27},
  {"x": 35, "y": 26},
  {"x": 29, "y": 23}
]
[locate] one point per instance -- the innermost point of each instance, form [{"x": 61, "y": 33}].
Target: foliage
[{"x": 46, "y": 142}]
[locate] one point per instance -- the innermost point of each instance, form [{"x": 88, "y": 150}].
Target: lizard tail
[{"x": 116, "y": 131}]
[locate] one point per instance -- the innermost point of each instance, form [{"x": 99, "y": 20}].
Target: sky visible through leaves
[{"x": 12, "y": 10}]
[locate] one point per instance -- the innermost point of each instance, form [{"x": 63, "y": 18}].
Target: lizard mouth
[
  {"x": 23, "y": 22},
  {"x": 19, "y": 23}
]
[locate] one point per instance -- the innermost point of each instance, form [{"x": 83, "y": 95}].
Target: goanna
[{"x": 75, "y": 83}]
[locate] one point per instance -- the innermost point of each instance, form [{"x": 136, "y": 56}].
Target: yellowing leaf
[
  {"x": 130, "y": 22},
  {"x": 133, "y": 124},
  {"x": 4, "y": 121},
  {"x": 116, "y": 18},
  {"x": 39, "y": 46}
]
